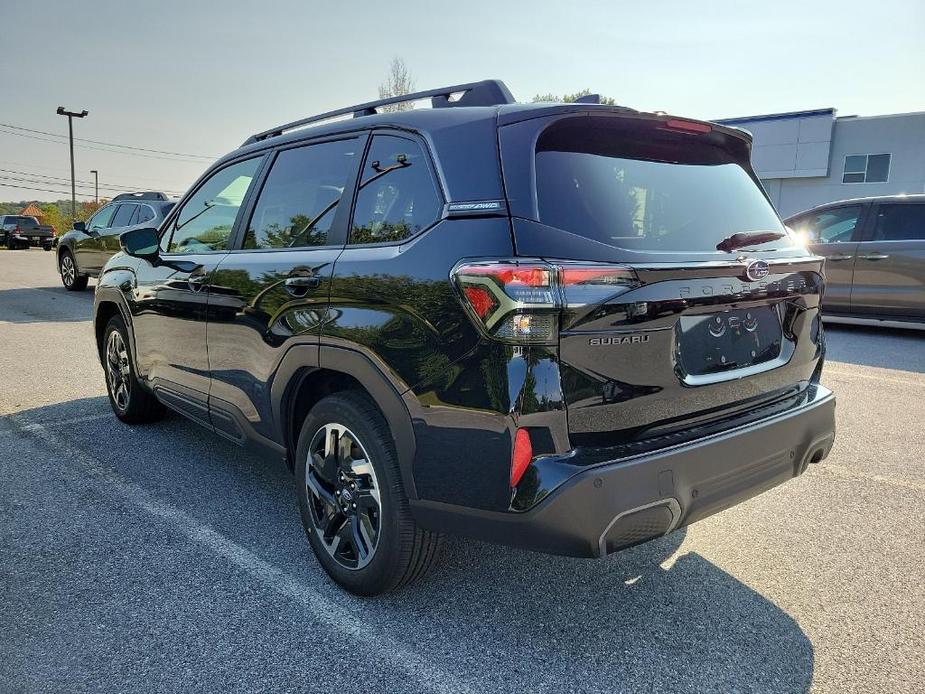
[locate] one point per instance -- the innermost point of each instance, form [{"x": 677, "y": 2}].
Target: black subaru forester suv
[{"x": 565, "y": 327}]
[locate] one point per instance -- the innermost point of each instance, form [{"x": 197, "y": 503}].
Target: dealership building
[{"x": 807, "y": 158}]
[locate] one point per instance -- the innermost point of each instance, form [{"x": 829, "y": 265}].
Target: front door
[
  {"x": 833, "y": 233},
  {"x": 107, "y": 242},
  {"x": 889, "y": 277},
  {"x": 271, "y": 292},
  {"x": 87, "y": 245},
  {"x": 171, "y": 296}
]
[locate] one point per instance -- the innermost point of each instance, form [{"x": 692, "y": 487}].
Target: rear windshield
[
  {"x": 658, "y": 192},
  {"x": 21, "y": 221}
]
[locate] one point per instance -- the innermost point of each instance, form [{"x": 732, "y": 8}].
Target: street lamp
[
  {"x": 71, "y": 115},
  {"x": 96, "y": 185}
]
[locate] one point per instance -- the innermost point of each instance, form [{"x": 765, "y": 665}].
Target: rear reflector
[
  {"x": 688, "y": 126},
  {"x": 521, "y": 457}
]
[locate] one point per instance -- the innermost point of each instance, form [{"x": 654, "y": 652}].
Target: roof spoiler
[
  {"x": 484, "y": 93},
  {"x": 147, "y": 195}
]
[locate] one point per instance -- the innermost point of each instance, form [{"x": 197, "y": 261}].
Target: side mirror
[
  {"x": 80, "y": 226},
  {"x": 141, "y": 243}
]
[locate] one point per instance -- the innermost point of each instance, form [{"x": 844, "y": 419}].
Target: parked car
[
  {"x": 875, "y": 258},
  {"x": 19, "y": 231},
  {"x": 84, "y": 250},
  {"x": 566, "y": 327}
]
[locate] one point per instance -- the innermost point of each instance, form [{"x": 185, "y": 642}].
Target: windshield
[{"x": 599, "y": 185}]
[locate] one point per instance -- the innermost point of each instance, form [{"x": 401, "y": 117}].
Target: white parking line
[
  {"x": 848, "y": 473},
  {"x": 333, "y": 614},
  {"x": 53, "y": 424},
  {"x": 912, "y": 379}
]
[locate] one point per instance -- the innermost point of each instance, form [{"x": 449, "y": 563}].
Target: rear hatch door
[{"x": 699, "y": 335}]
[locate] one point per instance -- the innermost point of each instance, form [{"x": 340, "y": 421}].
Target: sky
[{"x": 197, "y": 78}]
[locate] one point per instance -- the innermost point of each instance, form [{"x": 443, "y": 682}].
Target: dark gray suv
[
  {"x": 875, "y": 258},
  {"x": 84, "y": 250}
]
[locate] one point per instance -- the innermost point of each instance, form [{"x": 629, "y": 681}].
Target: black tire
[
  {"x": 129, "y": 400},
  {"x": 71, "y": 278},
  {"x": 402, "y": 552}
]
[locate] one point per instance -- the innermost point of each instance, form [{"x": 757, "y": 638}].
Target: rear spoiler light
[
  {"x": 518, "y": 301},
  {"x": 688, "y": 126}
]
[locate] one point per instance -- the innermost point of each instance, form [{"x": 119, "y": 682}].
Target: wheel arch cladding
[
  {"x": 300, "y": 382},
  {"x": 104, "y": 313}
]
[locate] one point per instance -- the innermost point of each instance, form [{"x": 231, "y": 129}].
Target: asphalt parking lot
[{"x": 161, "y": 558}]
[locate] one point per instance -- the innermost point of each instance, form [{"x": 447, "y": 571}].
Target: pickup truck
[{"x": 17, "y": 231}]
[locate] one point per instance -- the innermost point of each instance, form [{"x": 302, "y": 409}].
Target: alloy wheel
[
  {"x": 343, "y": 496},
  {"x": 117, "y": 370},
  {"x": 68, "y": 271}
]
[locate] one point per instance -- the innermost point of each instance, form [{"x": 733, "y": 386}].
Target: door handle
[
  {"x": 302, "y": 284},
  {"x": 874, "y": 256},
  {"x": 839, "y": 256}
]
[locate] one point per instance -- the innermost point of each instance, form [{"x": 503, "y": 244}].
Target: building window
[{"x": 866, "y": 168}]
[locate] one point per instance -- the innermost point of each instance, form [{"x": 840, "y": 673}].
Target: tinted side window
[
  {"x": 206, "y": 219},
  {"x": 900, "y": 223},
  {"x": 101, "y": 219},
  {"x": 145, "y": 214},
  {"x": 299, "y": 199},
  {"x": 830, "y": 226},
  {"x": 123, "y": 216},
  {"x": 398, "y": 196}
]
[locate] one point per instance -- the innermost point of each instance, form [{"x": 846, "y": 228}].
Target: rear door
[
  {"x": 660, "y": 329},
  {"x": 271, "y": 291},
  {"x": 833, "y": 233},
  {"x": 889, "y": 277}
]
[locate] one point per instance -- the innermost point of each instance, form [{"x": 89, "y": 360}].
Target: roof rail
[
  {"x": 147, "y": 195},
  {"x": 484, "y": 93}
]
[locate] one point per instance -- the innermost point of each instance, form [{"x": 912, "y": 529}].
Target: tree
[
  {"x": 571, "y": 98},
  {"x": 398, "y": 82}
]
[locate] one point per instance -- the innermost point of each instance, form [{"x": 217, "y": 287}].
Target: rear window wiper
[{"x": 748, "y": 238}]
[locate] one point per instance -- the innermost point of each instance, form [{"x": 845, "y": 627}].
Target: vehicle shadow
[
  {"x": 886, "y": 348},
  {"x": 655, "y": 617},
  {"x": 45, "y": 305}
]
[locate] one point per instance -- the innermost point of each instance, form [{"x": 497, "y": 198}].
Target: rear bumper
[
  {"x": 34, "y": 241},
  {"x": 614, "y": 505}
]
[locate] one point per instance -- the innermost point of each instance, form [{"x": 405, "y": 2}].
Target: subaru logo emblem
[
  {"x": 756, "y": 270},
  {"x": 346, "y": 495}
]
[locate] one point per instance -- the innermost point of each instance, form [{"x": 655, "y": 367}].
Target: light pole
[
  {"x": 96, "y": 185},
  {"x": 71, "y": 115}
]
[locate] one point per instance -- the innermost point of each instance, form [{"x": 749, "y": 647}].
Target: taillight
[
  {"x": 521, "y": 457},
  {"x": 518, "y": 301}
]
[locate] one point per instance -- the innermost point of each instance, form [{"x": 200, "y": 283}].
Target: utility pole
[
  {"x": 71, "y": 115},
  {"x": 96, "y": 185}
]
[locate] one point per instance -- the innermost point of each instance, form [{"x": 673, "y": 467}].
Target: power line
[
  {"x": 90, "y": 186},
  {"x": 115, "y": 185},
  {"x": 65, "y": 193},
  {"x": 102, "y": 149},
  {"x": 111, "y": 144},
  {"x": 153, "y": 182}
]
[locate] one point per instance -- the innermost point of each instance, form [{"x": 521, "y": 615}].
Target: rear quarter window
[{"x": 398, "y": 196}]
